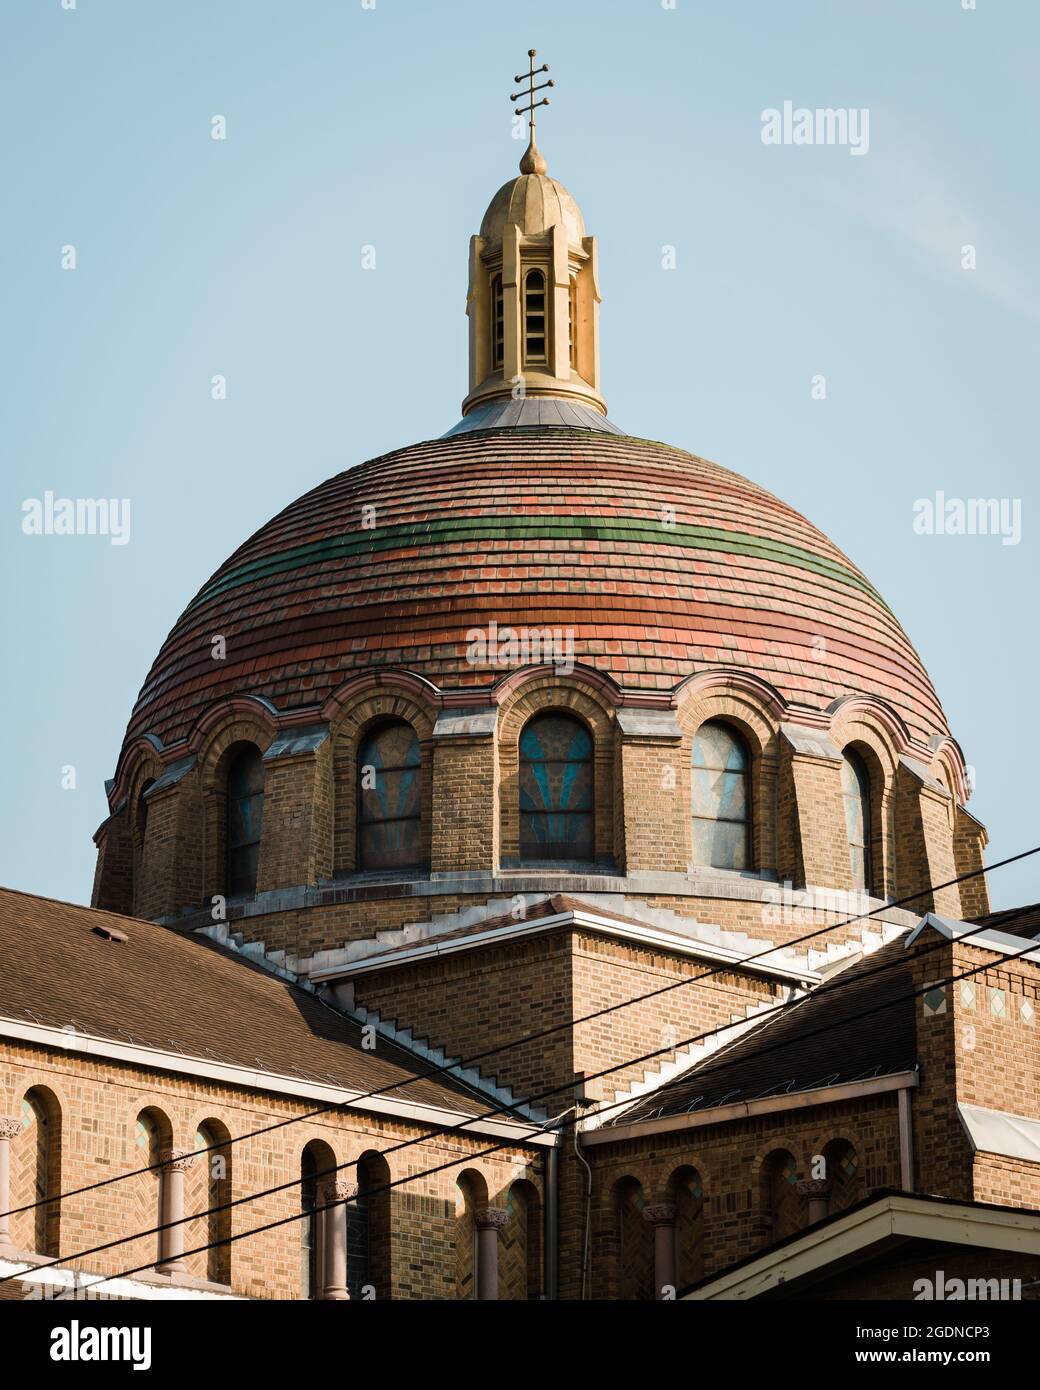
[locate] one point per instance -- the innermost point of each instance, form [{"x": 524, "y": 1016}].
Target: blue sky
[{"x": 390, "y": 127}]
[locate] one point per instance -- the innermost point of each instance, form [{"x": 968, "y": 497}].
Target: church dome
[
  {"x": 534, "y": 203},
  {"x": 661, "y": 564}
]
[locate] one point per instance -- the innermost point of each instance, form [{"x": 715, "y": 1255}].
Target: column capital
[
  {"x": 661, "y": 1213},
  {"x": 338, "y": 1190},
  {"x": 491, "y": 1219},
  {"x": 176, "y": 1160},
  {"x": 814, "y": 1187},
  {"x": 10, "y": 1129}
]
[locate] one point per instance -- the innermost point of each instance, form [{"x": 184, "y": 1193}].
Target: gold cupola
[{"x": 533, "y": 300}]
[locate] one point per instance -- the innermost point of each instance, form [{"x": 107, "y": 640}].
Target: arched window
[
  {"x": 572, "y": 323},
  {"x": 720, "y": 797},
  {"x": 310, "y": 1282},
  {"x": 359, "y": 1271},
  {"x": 152, "y": 1135},
  {"x": 556, "y": 818},
  {"x": 842, "y": 1172},
  {"x": 390, "y": 798},
  {"x": 686, "y": 1190},
  {"x": 783, "y": 1207},
  {"x": 140, "y": 836},
  {"x": 142, "y": 812},
  {"x": 855, "y": 787},
  {"x": 245, "y": 816},
  {"x": 470, "y": 1197},
  {"x": 498, "y": 322},
  {"x": 368, "y": 1227},
  {"x": 40, "y": 1179},
  {"x": 521, "y": 1251},
  {"x": 535, "y": 335},
  {"x": 211, "y": 1182},
  {"x": 634, "y": 1242}
]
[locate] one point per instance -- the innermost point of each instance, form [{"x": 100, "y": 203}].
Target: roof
[
  {"x": 185, "y": 994},
  {"x": 1013, "y": 921},
  {"x": 560, "y": 911},
  {"x": 881, "y": 1223},
  {"x": 550, "y": 528},
  {"x": 534, "y": 203},
  {"x": 815, "y": 1042},
  {"x": 543, "y": 412}
]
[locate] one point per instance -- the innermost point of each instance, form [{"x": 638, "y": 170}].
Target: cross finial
[{"x": 532, "y": 162}]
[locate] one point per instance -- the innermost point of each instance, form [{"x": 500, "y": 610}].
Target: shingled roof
[
  {"x": 1014, "y": 921},
  {"x": 554, "y": 528},
  {"x": 816, "y": 1041},
  {"x": 64, "y": 966}
]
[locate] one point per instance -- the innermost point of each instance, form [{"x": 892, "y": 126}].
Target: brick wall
[{"x": 97, "y": 1104}]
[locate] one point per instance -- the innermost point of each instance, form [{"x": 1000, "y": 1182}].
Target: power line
[
  {"x": 559, "y": 1125},
  {"x": 446, "y": 1070}
]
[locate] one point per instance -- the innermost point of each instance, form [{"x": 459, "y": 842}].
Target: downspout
[
  {"x": 906, "y": 1142},
  {"x": 552, "y": 1220},
  {"x": 588, "y": 1210}
]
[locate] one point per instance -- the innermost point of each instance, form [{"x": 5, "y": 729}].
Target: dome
[
  {"x": 534, "y": 203},
  {"x": 540, "y": 527}
]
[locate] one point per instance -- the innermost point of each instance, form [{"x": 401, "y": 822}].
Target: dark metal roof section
[{"x": 536, "y": 412}]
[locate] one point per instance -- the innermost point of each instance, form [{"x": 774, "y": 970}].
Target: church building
[{"x": 538, "y": 866}]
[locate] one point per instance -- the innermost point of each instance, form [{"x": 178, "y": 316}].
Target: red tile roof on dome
[{"x": 535, "y": 528}]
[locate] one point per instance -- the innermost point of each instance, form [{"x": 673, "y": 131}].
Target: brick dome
[{"x": 535, "y": 527}]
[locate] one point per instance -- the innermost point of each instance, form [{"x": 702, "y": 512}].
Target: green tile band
[{"x": 405, "y": 535}]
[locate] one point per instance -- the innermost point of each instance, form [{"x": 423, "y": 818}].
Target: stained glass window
[
  {"x": 556, "y": 818},
  {"x": 720, "y": 797},
  {"x": 390, "y": 799},
  {"x": 855, "y": 787},
  {"x": 245, "y": 815}
]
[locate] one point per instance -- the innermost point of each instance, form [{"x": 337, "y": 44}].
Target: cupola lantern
[{"x": 533, "y": 300}]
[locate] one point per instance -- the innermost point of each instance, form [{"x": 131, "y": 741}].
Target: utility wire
[
  {"x": 558, "y": 1125},
  {"x": 446, "y": 1070}
]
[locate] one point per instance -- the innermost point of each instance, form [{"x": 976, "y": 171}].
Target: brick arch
[
  {"x": 781, "y": 1208},
  {"x": 878, "y": 736},
  {"x": 375, "y": 1218},
  {"x": 146, "y": 767},
  {"x": 209, "y": 1184},
  {"x": 521, "y": 1242},
  {"x": 686, "y": 1190},
  {"x": 569, "y": 695},
  {"x": 861, "y": 739},
  {"x": 144, "y": 1187},
  {"x": 36, "y": 1169},
  {"x": 629, "y": 1247},
  {"x": 220, "y": 745},
  {"x": 754, "y": 716},
  {"x": 948, "y": 755},
  {"x": 846, "y": 1186},
  {"x": 315, "y": 1161},
  {"x": 471, "y": 1196},
  {"x": 354, "y": 716}
]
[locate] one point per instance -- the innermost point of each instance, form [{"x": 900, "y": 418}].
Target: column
[
  {"x": 662, "y": 1216},
  {"x": 9, "y": 1129},
  {"x": 335, "y": 1194},
  {"x": 488, "y": 1222},
  {"x": 818, "y": 1192},
  {"x": 175, "y": 1164}
]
